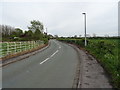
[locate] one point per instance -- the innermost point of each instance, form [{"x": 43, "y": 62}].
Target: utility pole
[{"x": 85, "y": 27}]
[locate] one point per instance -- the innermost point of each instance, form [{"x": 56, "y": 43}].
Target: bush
[
  {"x": 45, "y": 40},
  {"x": 107, "y": 53},
  {"x": 106, "y": 50}
]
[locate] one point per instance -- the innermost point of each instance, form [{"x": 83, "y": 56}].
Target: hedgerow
[{"x": 106, "y": 51}]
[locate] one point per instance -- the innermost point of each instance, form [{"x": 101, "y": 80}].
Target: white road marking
[
  {"x": 54, "y": 53},
  {"x": 49, "y": 57},
  {"x": 44, "y": 60},
  {"x": 58, "y": 44}
]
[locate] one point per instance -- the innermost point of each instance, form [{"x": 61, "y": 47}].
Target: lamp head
[{"x": 83, "y": 13}]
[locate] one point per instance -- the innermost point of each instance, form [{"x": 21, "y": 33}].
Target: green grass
[{"x": 107, "y": 52}]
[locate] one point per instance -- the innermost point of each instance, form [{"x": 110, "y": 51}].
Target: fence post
[
  {"x": 14, "y": 47},
  {"x": 20, "y": 47},
  {"x": 33, "y": 44},
  {"x": 30, "y": 44},
  {"x": 25, "y": 46},
  {"x": 7, "y": 48},
  {"x": 37, "y": 43},
  {"x": 0, "y": 50}
]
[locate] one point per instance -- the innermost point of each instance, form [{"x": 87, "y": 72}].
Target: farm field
[{"x": 107, "y": 53}]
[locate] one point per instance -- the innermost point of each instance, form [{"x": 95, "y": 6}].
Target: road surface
[{"x": 55, "y": 67}]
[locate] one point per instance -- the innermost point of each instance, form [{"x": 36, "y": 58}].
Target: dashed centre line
[
  {"x": 54, "y": 53},
  {"x": 58, "y": 44},
  {"x": 44, "y": 60},
  {"x": 49, "y": 57}
]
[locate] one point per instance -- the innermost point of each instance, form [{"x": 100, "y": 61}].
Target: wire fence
[{"x": 9, "y": 48}]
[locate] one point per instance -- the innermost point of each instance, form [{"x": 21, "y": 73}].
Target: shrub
[{"x": 106, "y": 50}]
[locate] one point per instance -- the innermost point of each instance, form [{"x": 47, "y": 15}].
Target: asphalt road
[{"x": 55, "y": 67}]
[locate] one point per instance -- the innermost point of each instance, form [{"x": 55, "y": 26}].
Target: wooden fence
[{"x": 8, "y": 48}]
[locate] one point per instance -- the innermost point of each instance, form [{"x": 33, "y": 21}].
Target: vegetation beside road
[
  {"x": 106, "y": 50},
  {"x": 16, "y": 40},
  {"x": 35, "y": 32}
]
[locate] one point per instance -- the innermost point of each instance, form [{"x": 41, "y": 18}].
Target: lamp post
[{"x": 85, "y": 27}]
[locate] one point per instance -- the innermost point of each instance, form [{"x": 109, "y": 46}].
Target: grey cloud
[{"x": 64, "y": 19}]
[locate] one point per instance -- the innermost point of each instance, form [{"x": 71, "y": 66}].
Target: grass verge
[{"x": 106, "y": 51}]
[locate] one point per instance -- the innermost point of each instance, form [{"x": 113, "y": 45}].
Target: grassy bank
[{"x": 106, "y": 51}]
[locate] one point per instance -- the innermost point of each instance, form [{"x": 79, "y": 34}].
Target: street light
[{"x": 85, "y": 27}]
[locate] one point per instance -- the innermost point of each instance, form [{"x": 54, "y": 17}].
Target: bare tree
[{"x": 6, "y": 30}]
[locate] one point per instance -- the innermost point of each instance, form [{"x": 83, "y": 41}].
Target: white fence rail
[{"x": 8, "y": 48}]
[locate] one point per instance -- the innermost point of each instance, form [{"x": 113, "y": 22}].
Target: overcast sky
[{"x": 63, "y": 17}]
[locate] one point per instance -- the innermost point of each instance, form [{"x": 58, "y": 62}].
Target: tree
[
  {"x": 29, "y": 35},
  {"x": 6, "y": 30},
  {"x": 19, "y": 32},
  {"x": 37, "y": 28},
  {"x": 36, "y": 25},
  {"x": 38, "y": 35}
]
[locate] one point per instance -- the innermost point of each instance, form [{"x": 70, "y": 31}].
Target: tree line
[{"x": 35, "y": 32}]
